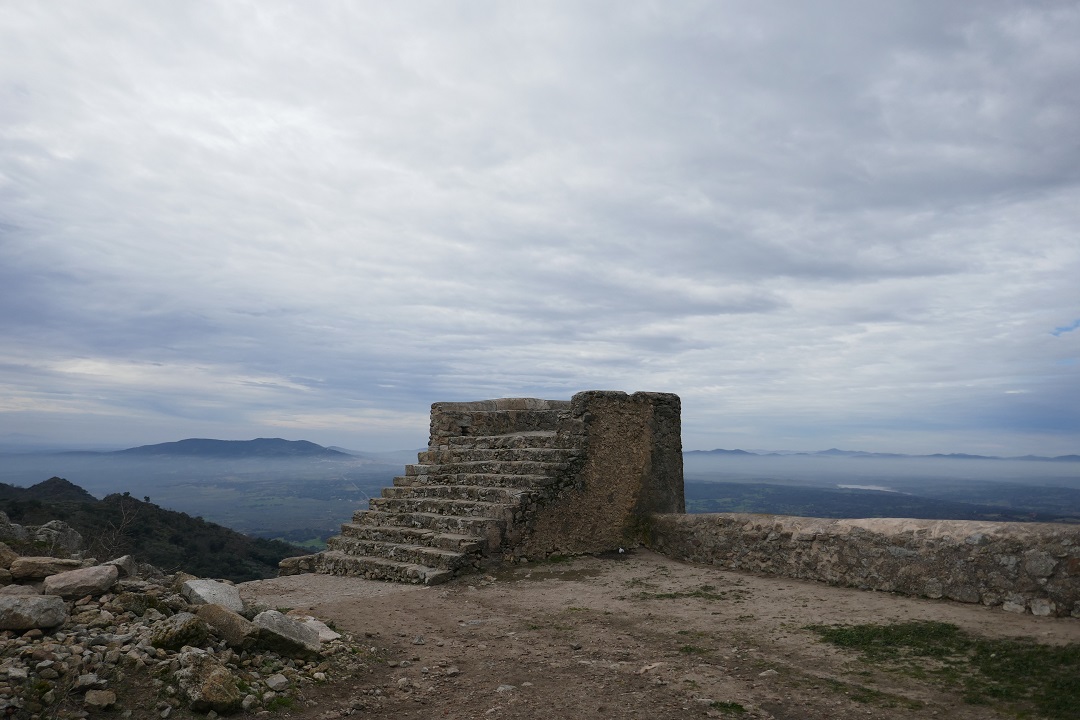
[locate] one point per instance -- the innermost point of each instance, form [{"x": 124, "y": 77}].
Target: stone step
[
  {"x": 335, "y": 562},
  {"x": 443, "y": 506},
  {"x": 410, "y": 554},
  {"x": 496, "y": 467},
  {"x": 473, "y": 454},
  {"x": 501, "y": 495},
  {"x": 476, "y": 479},
  {"x": 511, "y": 422},
  {"x": 537, "y": 439},
  {"x": 412, "y": 536},
  {"x": 482, "y": 527}
]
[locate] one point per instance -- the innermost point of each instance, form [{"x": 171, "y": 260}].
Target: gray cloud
[{"x": 838, "y": 223}]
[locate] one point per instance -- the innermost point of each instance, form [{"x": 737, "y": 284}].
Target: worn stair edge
[
  {"x": 530, "y": 482},
  {"x": 414, "y": 554},
  {"x": 469, "y": 524},
  {"x": 413, "y": 536},
  {"x": 494, "y": 467},
  {"x": 334, "y": 562},
  {"x": 534, "y": 439},
  {"x": 444, "y": 506},
  {"x": 472, "y": 454},
  {"x": 482, "y": 493}
]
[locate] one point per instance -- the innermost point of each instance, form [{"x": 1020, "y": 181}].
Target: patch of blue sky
[{"x": 1059, "y": 331}]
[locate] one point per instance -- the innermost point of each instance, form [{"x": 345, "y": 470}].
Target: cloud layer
[{"x": 821, "y": 224}]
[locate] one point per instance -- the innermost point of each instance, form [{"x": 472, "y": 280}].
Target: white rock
[
  {"x": 285, "y": 635},
  {"x": 202, "y": 591}
]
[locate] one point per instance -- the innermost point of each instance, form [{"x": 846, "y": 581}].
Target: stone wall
[
  {"x": 1020, "y": 566},
  {"x": 491, "y": 417},
  {"x": 632, "y": 467}
]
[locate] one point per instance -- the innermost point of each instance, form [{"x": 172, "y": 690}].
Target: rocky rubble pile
[{"x": 78, "y": 637}]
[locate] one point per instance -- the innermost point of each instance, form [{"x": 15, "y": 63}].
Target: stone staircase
[{"x": 466, "y": 498}]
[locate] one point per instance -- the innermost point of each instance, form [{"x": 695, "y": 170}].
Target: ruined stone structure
[
  {"x": 517, "y": 478},
  {"x": 521, "y": 478}
]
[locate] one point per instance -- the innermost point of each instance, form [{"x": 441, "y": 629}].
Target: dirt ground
[{"x": 635, "y": 635}]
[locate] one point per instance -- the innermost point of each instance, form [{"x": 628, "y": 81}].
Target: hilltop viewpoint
[{"x": 639, "y": 635}]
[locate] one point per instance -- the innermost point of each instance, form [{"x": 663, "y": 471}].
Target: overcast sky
[{"x": 821, "y": 224}]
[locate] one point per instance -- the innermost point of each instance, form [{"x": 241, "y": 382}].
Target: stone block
[
  {"x": 208, "y": 686},
  {"x": 177, "y": 631},
  {"x": 36, "y": 568},
  {"x": 84, "y": 581},
  {"x": 200, "y": 591},
  {"x": 238, "y": 632},
  {"x": 284, "y": 635},
  {"x": 126, "y": 564},
  {"x": 27, "y": 613},
  {"x": 7, "y": 556}
]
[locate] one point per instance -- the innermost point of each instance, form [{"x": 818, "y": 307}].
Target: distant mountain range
[
  {"x": 257, "y": 448},
  {"x": 834, "y": 452},
  {"x": 271, "y": 448}
]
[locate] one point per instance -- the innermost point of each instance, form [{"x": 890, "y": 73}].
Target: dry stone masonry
[
  {"x": 1022, "y": 567},
  {"x": 513, "y": 479}
]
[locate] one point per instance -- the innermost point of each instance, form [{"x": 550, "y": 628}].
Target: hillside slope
[{"x": 121, "y": 524}]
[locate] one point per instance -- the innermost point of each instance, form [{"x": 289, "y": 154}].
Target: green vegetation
[
  {"x": 281, "y": 702},
  {"x": 693, "y": 650},
  {"x": 724, "y": 706},
  {"x": 1019, "y": 675},
  {"x": 169, "y": 540}
]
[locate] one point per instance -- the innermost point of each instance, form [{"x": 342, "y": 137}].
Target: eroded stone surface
[
  {"x": 200, "y": 590},
  {"x": 179, "y": 630},
  {"x": 26, "y": 613},
  {"x": 237, "y": 631},
  {"x": 1020, "y": 566},
  {"x": 285, "y": 635},
  {"x": 83, "y": 581},
  {"x": 207, "y": 685},
  {"x": 34, "y": 567}
]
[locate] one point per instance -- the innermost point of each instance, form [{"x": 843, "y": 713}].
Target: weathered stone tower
[{"x": 517, "y": 478}]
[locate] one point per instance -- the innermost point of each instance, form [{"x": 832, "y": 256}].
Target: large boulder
[
  {"x": 11, "y": 531},
  {"x": 36, "y": 568},
  {"x": 238, "y": 632},
  {"x": 199, "y": 591},
  {"x": 58, "y": 537},
  {"x": 29, "y": 612},
  {"x": 7, "y": 556},
  {"x": 325, "y": 633},
  {"x": 207, "y": 685},
  {"x": 177, "y": 631},
  {"x": 126, "y": 565},
  {"x": 84, "y": 581},
  {"x": 286, "y": 636}
]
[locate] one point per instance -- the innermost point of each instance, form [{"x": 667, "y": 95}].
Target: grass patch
[
  {"x": 692, "y": 650},
  {"x": 724, "y": 706},
  {"x": 281, "y": 702},
  {"x": 1022, "y": 676}
]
